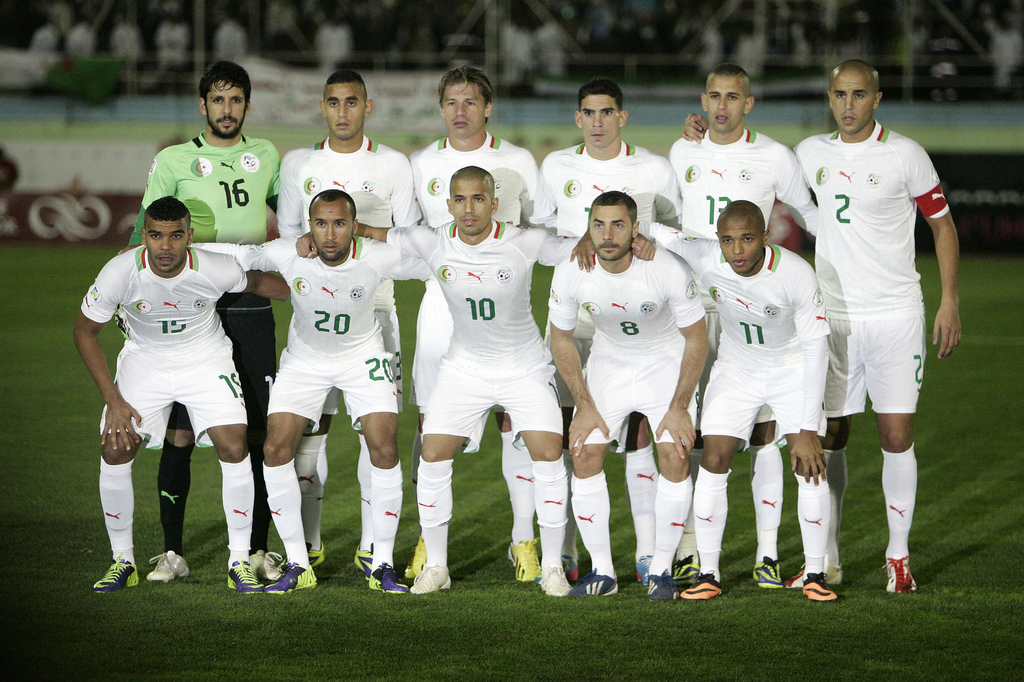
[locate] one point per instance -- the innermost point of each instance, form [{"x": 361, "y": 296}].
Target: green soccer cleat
[
  {"x": 524, "y": 557},
  {"x": 316, "y": 556},
  {"x": 121, "y": 574},
  {"x": 293, "y": 577},
  {"x": 385, "y": 580},
  {"x": 364, "y": 561},
  {"x": 685, "y": 572},
  {"x": 242, "y": 578},
  {"x": 419, "y": 558},
  {"x": 767, "y": 574}
]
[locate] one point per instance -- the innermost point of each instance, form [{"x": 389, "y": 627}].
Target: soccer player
[
  {"x": 638, "y": 363},
  {"x": 334, "y": 342},
  {"x": 466, "y": 100},
  {"x": 870, "y": 182},
  {"x": 379, "y": 180},
  {"x": 226, "y": 180},
  {"x": 573, "y": 178},
  {"x": 175, "y": 350},
  {"x": 773, "y": 351},
  {"x": 496, "y": 357},
  {"x": 728, "y": 163}
]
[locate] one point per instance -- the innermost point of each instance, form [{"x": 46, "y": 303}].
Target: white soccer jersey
[
  {"x": 866, "y": 201},
  {"x": 333, "y": 316},
  {"x": 176, "y": 317},
  {"x": 636, "y": 313},
  {"x": 573, "y": 179},
  {"x": 487, "y": 288},
  {"x": 765, "y": 316},
  {"x": 755, "y": 168},
  {"x": 515, "y": 181}
]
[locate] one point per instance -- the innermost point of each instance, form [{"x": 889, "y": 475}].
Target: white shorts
[
  {"x": 735, "y": 395},
  {"x": 883, "y": 359},
  {"x": 714, "y": 324},
  {"x": 434, "y": 329},
  {"x": 465, "y": 394},
  {"x": 583, "y": 338},
  {"x": 301, "y": 387},
  {"x": 620, "y": 388},
  {"x": 388, "y": 321},
  {"x": 209, "y": 388}
]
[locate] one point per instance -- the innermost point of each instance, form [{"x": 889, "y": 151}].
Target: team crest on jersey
[
  {"x": 770, "y": 310},
  {"x": 201, "y": 167},
  {"x": 368, "y": 186},
  {"x": 201, "y": 303},
  {"x": 716, "y": 294},
  {"x": 504, "y": 275},
  {"x": 311, "y": 186},
  {"x": 152, "y": 169},
  {"x": 592, "y": 308},
  {"x": 435, "y": 187},
  {"x": 817, "y": 297},
  {"x": 497, "y": 186},
  {"x": 746, "y": 176},
  {"x": 572, "y": 189},
  {"x": 821, "y": 177},
  {"x": 301, "y": 286},
  {"x": 357, "y": 293},
  {"x": 94, "y": 294},
  {"x": 141, "y": 306},
  {"x": 447, "y": 274},
  {"x": 691, "y": 290},
  {"x": 554, "y": 296},
  {"x": 874, "y": 180},
  {"x": 250, "y": 162},
  {"x": 648, "y": 307}
]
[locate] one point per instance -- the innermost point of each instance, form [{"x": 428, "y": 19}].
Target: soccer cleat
[
  {"x": 120, "y": 574},
  {"x": 900, "y": 580},
  {"x": 168, "y": 567},
  {"x": 524, "y": 557},
  {"x": 431, "y": 579},
  {"x": 419, "y": 557},
  {"x": 816, "y": 589},
  {"x": 364, "y": 561},
  {"x": 293, "y": 577},
  {"x": 594, "y": 585},
  {"x": 267, "y": 565},
  {"x": 685, "y": 572},
  {"x": 643, "y": 568},
  {"x": 662, "y": 587},
  {"x": 242, "y": 578},
  {"x": 385, "y": 580},
  {"x": 570, "y": 567},
  {"x": 833, "y": 573},
  {"x": 316, "y": 556},
  {"x": 706, "y": 588},
  {"x": 767, "y": 574},
  {"x": 553, "y": 582}
]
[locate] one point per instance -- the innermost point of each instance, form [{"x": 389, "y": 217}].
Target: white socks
[
  {"x": 237, "y": 497},
  {"x": 899, "y": 483},
  {"x": 307, "y": 469},
  {"x": 434, "y": 501},
  {"x": 285, "y": 501},
  {"x": 641, "y": 483},
  {"x": 670, "y": 509},
  {"x": 569, "y": 541},
  {"x": 551, "y": 488},
  {"x": 386, "y": 508},
  {"x": 814, "y": 510},
  {"x": 517, "y": 467},
  {"x": 363, "y": 469},
  {"x": 766, "y": 486},
  {"x": 710, "y": 509},
  {"x": 835, "y": 470},
  {"x": 591, "y": 506},
  {"x": 688, "y": 543},
  {"x": 117, "y": 497}
]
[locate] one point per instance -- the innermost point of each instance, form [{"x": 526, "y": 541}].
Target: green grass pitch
[{"x": 965, "y": 622}]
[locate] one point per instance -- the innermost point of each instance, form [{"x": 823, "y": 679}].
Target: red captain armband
[{"x": 932, "y": 202}]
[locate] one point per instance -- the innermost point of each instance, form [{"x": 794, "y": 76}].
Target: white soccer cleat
[
  {"x": 267, "y": 565},
  {"x": 168, "y": 567},
  {"x": 553, "y": 582},
  {"x": 431, "y": 579}
]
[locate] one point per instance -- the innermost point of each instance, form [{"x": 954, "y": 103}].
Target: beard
[{"x": 228, "y": 134}]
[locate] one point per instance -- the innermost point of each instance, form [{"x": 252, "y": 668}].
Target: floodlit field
[{"x": 966, "y": 622}]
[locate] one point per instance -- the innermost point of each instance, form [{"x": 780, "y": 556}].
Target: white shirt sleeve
[
  {"x": 290, "y": 221},
  {"x": 563, "y": 305},
  {"x": 108, "y": 291},
  {"x": 668, "y": 203},
  {"x": 554, "y": 250},
  {"x": 815, "y": 367},
  {"x": 414, "y": 241},
  {"x": 791, "y": 187},
  {"x": 921, "y": 174},
  {"x": 683, "y": 294},
  {"x": 405, "y": 210}
]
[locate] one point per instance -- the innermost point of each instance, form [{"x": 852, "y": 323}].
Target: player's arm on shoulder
[
  {"x": 668, "y": 202},
  {"x": 554, "y": 249},
  {"x": 118, "y": 422},
  {"x": 267, "y": 284},
  {"x": 695, "y": 127}
]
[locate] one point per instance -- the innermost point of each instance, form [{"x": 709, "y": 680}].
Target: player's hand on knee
[
  {"x": 583, "y": 254},
  {"x": 947, "y": 330},
  {"x": 806, "y": 456},
  {"x": 586, "y": 421},
  {"x": 680, "y": 427},
  {"x": 696, "y": 125},
  {"x": 118, "y": 425},
  {"x": 305, "y": 247},
  {"x": 643, "y": 248}
]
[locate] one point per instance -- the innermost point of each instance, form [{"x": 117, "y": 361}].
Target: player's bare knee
[
  {"x": 119, "y": 456},
  {"x": 895, "y": 435},
  {"x": 180, "y": 437},
  {"x": 383, "y": 455},
  {"x": 276, "y": 453},
  {"x": 763, "y": 434},
  {"x": 674, "y": 465},
  {"x": 837, "y": 433}
]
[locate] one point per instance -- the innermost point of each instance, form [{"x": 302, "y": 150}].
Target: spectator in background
[
  {"x": 547, "y": 41},
  {"x": 81, "y": 39},
  {"x": 125, "y": 39},
  {"x": 229, "y": 40},
  {"x": 1006, "y": 48},
  {"x": 333, "y": 41},
  {"x": 173, "y": 38},
  {"x": 47, "y": 38}
]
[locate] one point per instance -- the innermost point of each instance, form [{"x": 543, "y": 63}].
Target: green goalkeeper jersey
[{"x": 226, "y": 189}]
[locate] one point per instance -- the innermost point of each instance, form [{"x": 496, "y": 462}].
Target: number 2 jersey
[
  {"x": 172, "y": 317},
  {"x": 868, "y": 194},
  {"x": 487, "y": 288}
]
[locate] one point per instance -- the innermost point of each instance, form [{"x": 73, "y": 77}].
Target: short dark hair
[
  {"x": 223, "y": 75},
  {"x": 859, "y": 66},
  {"x": 473, "y": 173},
  {"x": 329, "y": 196},
  {"x": 743, "y": 210},
  {"x": 616, "y": 198},
  {"x": 343, "y": 76},
  {"x": 600, "y": 86},
  {"x": 729, "y": 70},
  {"x": 167, "y": 210},
  {"x": 470, "y": 76}
]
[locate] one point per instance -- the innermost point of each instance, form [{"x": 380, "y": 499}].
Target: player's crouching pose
[
  {"x": 773, "y": 351},
  {"x": 638, "y": 363},
  {"x": 334, "y": 341},
  {"x": 176, "y": 351}
]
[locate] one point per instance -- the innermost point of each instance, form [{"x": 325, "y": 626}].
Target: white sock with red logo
[
  {"x": 117, "y": 497},
  {"x": 835, "y": 470},
  {"x": 671, "y": 506},
  {"x": 642, "y": 485},
  {"x": 517, "y": 467},
  {"x": 814, "y": 510},
  {"x": 688, "y": 543},
  {"x": 592, "y": 508},
  {"x": 311, "y": 487},
  {"x": 551, "y": 488},
  {"x": 569, "y": 540},
  {"x": 710, "y": 510},
  {"x": 766, "y": 486},
  {"x": 363, "y": 474},
  {"x": 285, "y": 501},
  {"x": 899, "y": 483},
  {"x": 434, "y": 501},
  {"x": 386, "y": 493},
  {"x": 236, "y": 496}
]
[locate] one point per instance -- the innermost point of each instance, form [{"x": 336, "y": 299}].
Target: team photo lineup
[{"x": 674, "y": 328}]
